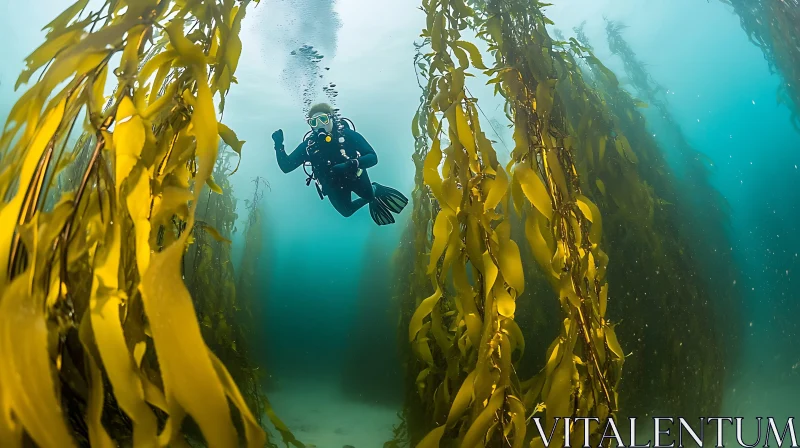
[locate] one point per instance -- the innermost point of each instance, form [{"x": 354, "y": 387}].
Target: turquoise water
[
  {"x": 721, "y": 93},
  {"x": 328, "y": 272}
]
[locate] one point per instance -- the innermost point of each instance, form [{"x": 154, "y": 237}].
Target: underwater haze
[{"x": 328, "y": 330}]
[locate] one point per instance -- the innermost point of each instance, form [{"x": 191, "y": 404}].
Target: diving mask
[{"x": 319, "y": 120}]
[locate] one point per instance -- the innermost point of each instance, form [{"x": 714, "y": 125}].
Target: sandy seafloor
[{"x": 319, "y": 414}]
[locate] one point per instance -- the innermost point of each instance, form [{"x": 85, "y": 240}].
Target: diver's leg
[
  {"x": 362, "y": 186},
  {"x": 341, "y": 199}
]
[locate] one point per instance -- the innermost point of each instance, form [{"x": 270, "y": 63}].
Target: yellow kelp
[
  {"x": 563, "y": 226},
  {"x": 679, "y": 260},
  {"x": 107, "y": 257},
  {"x": 466, "y": 335},
  {"x": 223, "y": 308}
]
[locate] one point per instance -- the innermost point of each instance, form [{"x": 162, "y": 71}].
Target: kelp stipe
[{"x": 94, "y": 288}]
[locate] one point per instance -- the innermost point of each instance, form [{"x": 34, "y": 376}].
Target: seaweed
[
  {"x": 465, "y": 334},
  {"x": 564, "y": 234},
  {"x": 696, "y": 276},
  {"x": 95, "y": 315},
  {"x": 583, "y": 157},
  {"x": 120, "y": 305},
  {"x": 223, "y": 309}
]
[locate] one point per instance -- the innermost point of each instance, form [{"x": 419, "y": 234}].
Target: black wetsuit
[{"x": 323, "y": 156}]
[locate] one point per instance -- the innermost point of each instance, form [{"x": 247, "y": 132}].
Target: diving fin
[{"x": 387, "y": 201}]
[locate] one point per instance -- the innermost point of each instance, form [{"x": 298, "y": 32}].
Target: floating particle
[{"x": 754, "y": 101}]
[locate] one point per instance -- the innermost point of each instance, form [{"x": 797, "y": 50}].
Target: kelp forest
[
  {"x": 590, "y": 199},
  {"x": 575, "y": 279}
]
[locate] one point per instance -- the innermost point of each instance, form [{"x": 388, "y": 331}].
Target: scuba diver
[{"x": 339, "y": 158}]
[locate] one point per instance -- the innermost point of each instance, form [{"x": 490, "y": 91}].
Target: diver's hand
[
  {"x": 277, "y": 137},
  {"x": 344, "y": 168}
]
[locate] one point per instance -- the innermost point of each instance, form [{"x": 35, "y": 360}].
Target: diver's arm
[
  {"x": 368, "y": 158},
  {"x": 288, "y": 162}
]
